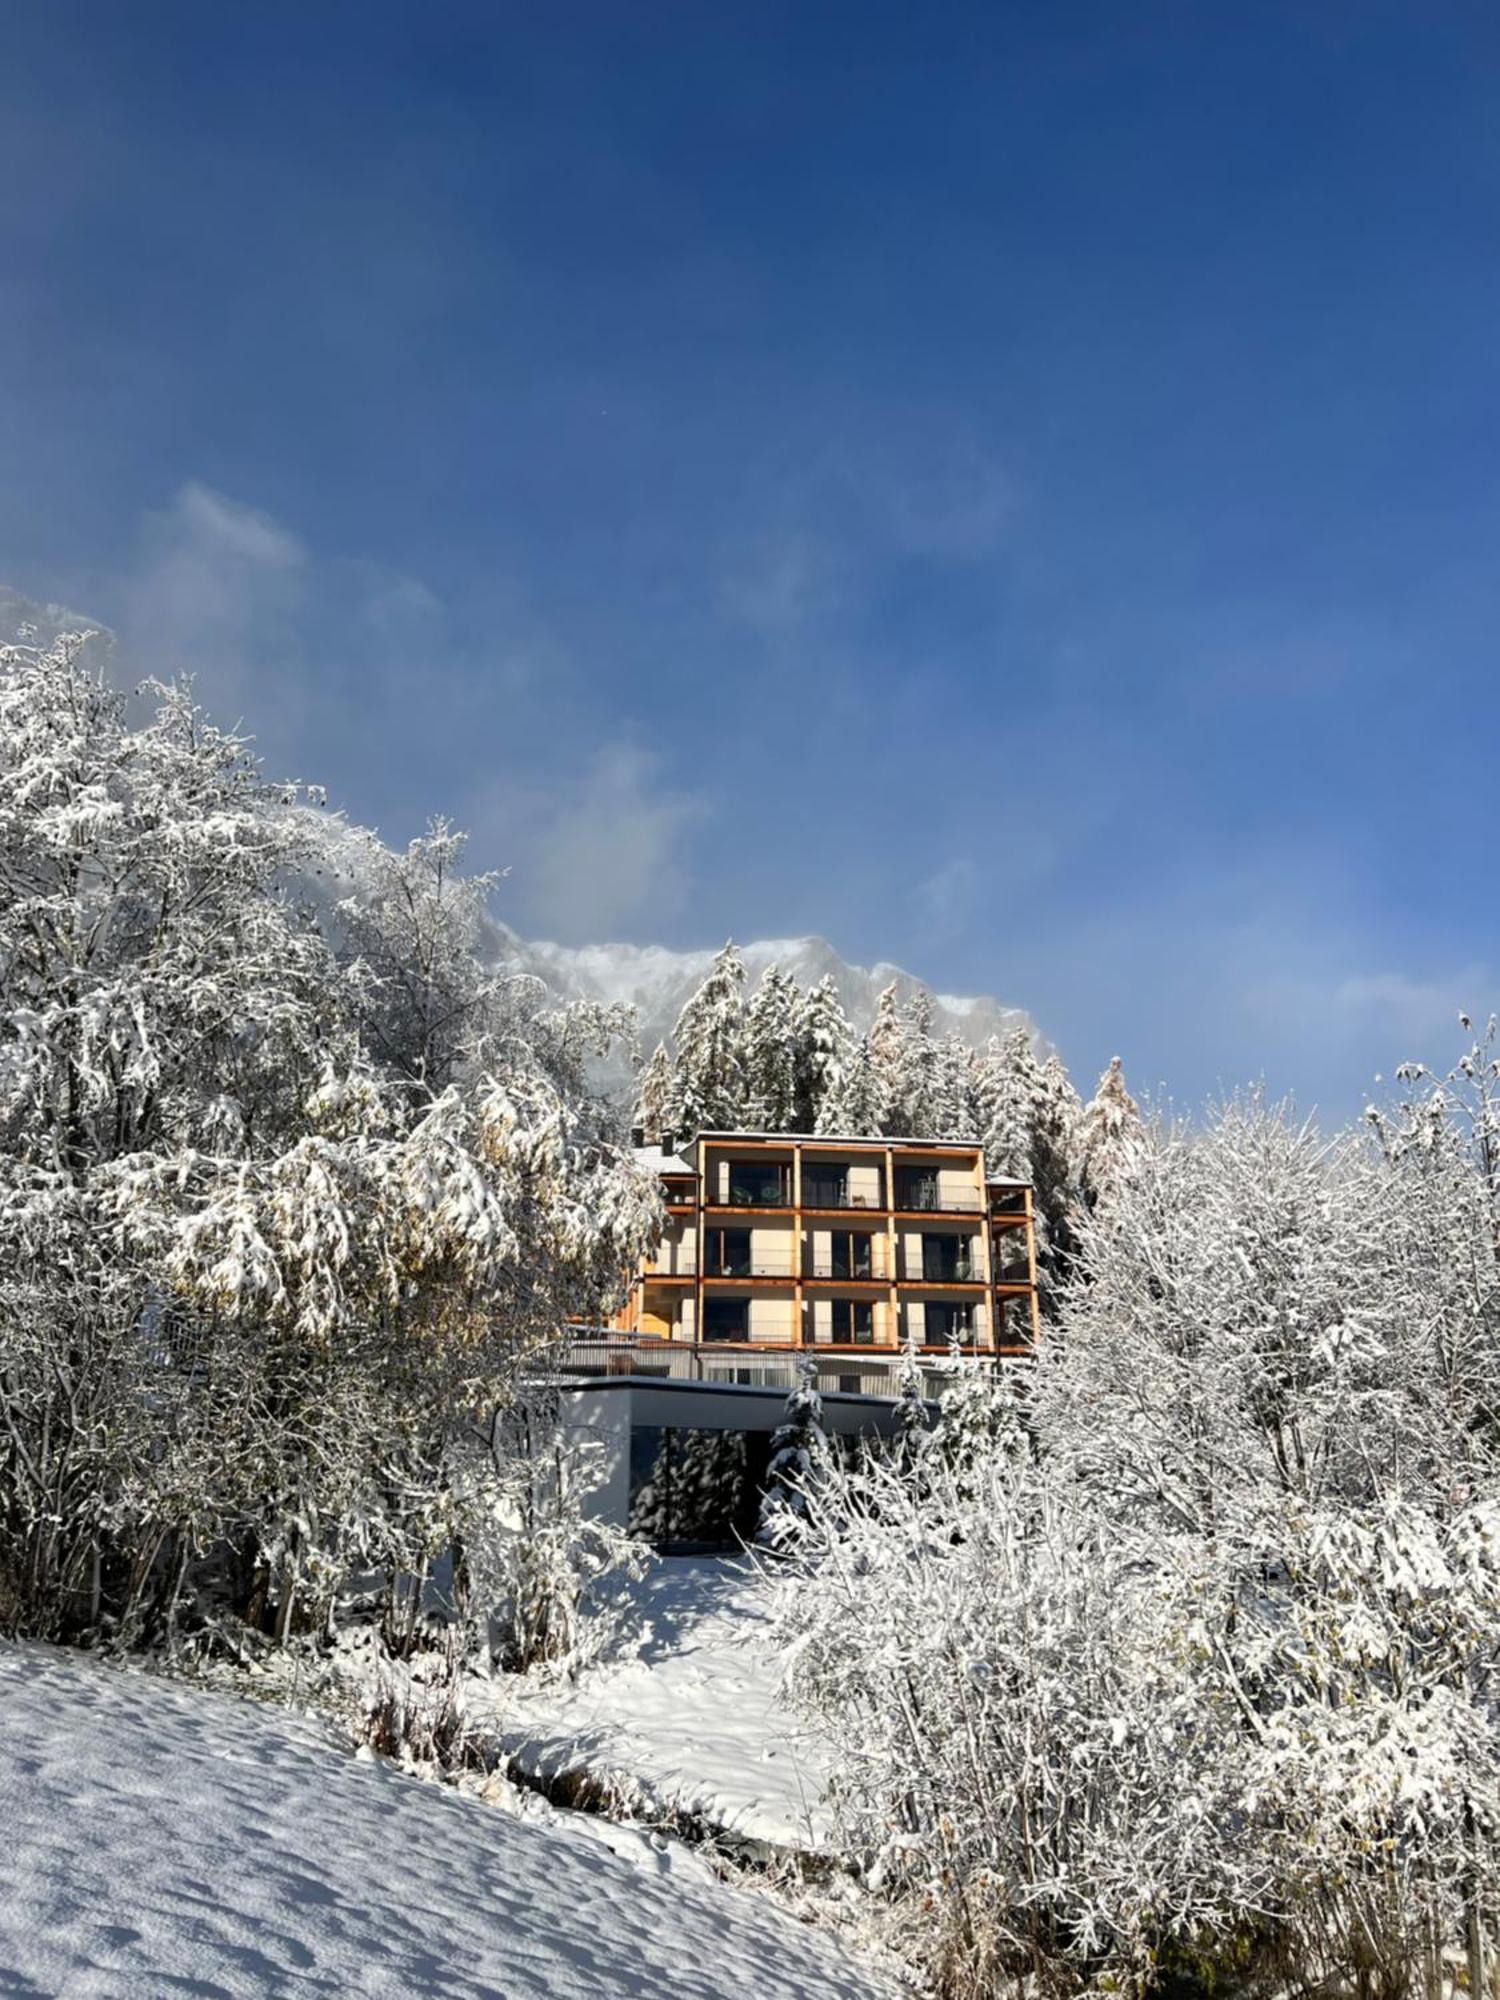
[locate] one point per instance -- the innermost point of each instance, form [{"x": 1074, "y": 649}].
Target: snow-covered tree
[
  {"x": 281, "y": 1208},
  {"x": 1006, "y": 1085},
  {"x": 857, "y": 1105},
  {"x": 654, "y": 1096},
  {"x": 824, "y": 1047},
  {"x": 1108, "y": 1136},
  {"x": 541, "y": 1572},
  {"x": 1199, "y": 1639},
  {"x": 952, "y": 1111},
  {"x": 710, "y": 1086},
  {"x": 798, "y": 1457},
  {"x": 774, "y": 1032}
]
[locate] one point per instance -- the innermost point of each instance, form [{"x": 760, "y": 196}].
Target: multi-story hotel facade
[{"x": 781, "y": 1240}]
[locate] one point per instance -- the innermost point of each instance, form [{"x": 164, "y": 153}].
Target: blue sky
[{"x": 1012, "y": 489}]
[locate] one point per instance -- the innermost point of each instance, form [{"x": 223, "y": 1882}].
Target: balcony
[
  {"x": 957, "y": 1271},
  {"x": 745, "y": 1194},
  {"x": 757, "y": 1266},
  {"x": 840, "y": 1271},
  {"x": 920, "y": 1199},
  {"x": 835, "y": 1198}
]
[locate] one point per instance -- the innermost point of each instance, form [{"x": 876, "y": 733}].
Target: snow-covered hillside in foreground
[
  {"x": 161, "y": 1839},
  {"x": 656, "y": 982}
]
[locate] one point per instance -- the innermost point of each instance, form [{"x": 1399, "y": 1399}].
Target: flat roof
[{"x": 847, "y": 1139}]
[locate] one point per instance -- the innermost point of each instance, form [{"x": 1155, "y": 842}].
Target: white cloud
[
  {"x": 216, "y": 596},
  {"x": 607, "y": 848}
]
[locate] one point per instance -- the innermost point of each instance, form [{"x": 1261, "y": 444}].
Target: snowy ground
[
  {"x": 164, "y": 1840},
  {"x": 693, "y": 1721}
]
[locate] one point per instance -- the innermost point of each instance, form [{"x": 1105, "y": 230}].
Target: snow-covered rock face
[{"x": 656, "y": 981}]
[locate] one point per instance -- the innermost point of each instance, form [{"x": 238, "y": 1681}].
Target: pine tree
[
  {"x": 654, "y": 1096},
  {"x": 918, "y": 1110},
  {"x": 886, "y": 1043},
  {"x": 825, "y": 1047},
  {"x": 953, "y": 1111},
  {"x": 773, "y": 1035},
  {"x": 1109, "y": 1137},
  {"x": 858, "y": 1104},
  {"x": 710, "y": 1087},
  {"x": 1056, "y": 1113},
  {"x": 798, "y": 1446},
  {"x": 1007, "y": 1084},
  {"x": 912, "y": 1420}
]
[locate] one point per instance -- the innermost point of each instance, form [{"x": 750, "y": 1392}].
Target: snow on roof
[
  {"x": 845, "y": 1139},
  {"x": 653, "y": 1160}
]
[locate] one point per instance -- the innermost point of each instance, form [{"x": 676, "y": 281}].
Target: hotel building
[{"x": 784, "y": 1241}]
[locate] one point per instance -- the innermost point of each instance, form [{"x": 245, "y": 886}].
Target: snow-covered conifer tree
[
  {"x": 886, "y": 1042},
  {"x": 825, "y": 1046},
  {"x": 953, "y": 1112},
  {"x": 1007, "y": 1080},
  {"x": 1108, "y": 1136},
  {"x": 857, "y": 1105},
  {"x": 654, "y": 1095},
  {"x": 798, "y": 1455},
  {"x": 774, "y": 1032},
  {"x": 710, "y": 1088}
]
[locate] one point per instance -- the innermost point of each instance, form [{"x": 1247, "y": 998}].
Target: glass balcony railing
[
  {"x": 748, "y": 1267},
  {"x": 920, "y": 1198}
]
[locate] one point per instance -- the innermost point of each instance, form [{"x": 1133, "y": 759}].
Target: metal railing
[{"x": 829, "y": 1267}]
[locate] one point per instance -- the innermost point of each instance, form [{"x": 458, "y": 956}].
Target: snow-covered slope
[
  {"x": 656, "y": 981},
  {"x": 160, "y": 1839},
  {"x": 694, "y": 1723}
]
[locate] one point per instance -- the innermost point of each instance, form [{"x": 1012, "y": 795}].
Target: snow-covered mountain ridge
[{"x": 656, "y": 980}]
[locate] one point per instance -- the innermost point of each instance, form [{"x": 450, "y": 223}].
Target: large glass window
[
  {"x": 853, "y": 1322},
  {"x": 758, "y": 1183},
  {"x": 825, "y": 1184},
  {"x": 726, "y": 1319},
  {"x": 917, "y": 1188},
  {"x": 728, "y": 1253},
  {"x": 852, "y": 1254},
  {"x": 947, "y": 1259},
  {"x": 945, "y": 1320}
]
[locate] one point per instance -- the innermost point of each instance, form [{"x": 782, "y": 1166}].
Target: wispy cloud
[{"x": 600, "y": 851}]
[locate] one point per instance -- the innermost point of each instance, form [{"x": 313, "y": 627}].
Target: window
[
  {"x": 726, "y": 1319},
  {"x": 728, "y": 1253},
  {"x": 757, "y": 1184},
  {"x": 947, "y": 1259},
  {"x": 853, "y": 1322},
  {"x": 917, "y": 1188},
  {"x": 945, "y": 1320},
  {"x": 824, "y": 1185},
  {"x": 853, "y": 1254}
]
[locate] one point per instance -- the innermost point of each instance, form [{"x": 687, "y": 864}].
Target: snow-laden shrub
[
  {"x": 546, "y": 1579},
  {"x": 1195, "y": 1669}
]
